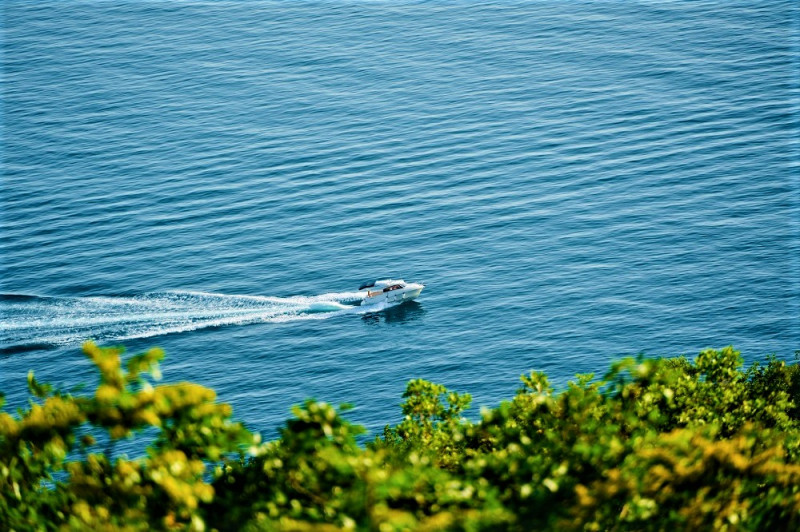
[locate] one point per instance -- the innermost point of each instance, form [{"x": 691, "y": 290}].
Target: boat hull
[{"x": 394, "y": 297}]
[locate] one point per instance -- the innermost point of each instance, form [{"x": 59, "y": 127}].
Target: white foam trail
[{"x": 70, "y": 321}]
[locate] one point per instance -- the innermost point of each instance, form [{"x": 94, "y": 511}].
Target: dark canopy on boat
[{"x": 367, "y": 284}]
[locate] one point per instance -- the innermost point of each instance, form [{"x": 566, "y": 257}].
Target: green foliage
[
  {"x": 429, "y": 424},
  {"x": 42, "y": 488},
  {"x": 655, "y": 443}
]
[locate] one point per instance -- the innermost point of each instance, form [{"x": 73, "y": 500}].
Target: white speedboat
[{"x": 389, "y": 292}]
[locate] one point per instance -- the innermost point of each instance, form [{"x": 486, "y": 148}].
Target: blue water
[{"x": 573, "y": 182}]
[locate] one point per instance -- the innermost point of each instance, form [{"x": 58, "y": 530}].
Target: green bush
[
  {"x": 654, "y": 444},
  {"x": 43, "y": 487}
]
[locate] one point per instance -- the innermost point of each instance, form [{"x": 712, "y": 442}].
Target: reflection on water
[{"x": 409, "y": 311}]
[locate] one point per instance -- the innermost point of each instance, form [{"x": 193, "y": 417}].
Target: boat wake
[{"x": 32, "y": 322}]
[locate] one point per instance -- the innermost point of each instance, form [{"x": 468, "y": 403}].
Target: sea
[{"x": 574, "y": 182}]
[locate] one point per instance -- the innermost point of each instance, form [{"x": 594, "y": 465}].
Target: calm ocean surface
[{"x": 573, "y": 182}]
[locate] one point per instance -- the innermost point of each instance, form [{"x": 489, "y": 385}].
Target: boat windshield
[{"x": 393, "y": 287}]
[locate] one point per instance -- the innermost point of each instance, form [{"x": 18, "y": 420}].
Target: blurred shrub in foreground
[
  {"x": 44, "y": 487},
  {"x": 656, "y": 443}
]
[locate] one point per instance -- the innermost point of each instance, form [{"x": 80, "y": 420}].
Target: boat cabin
[{"x": 386, "y": 285}]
